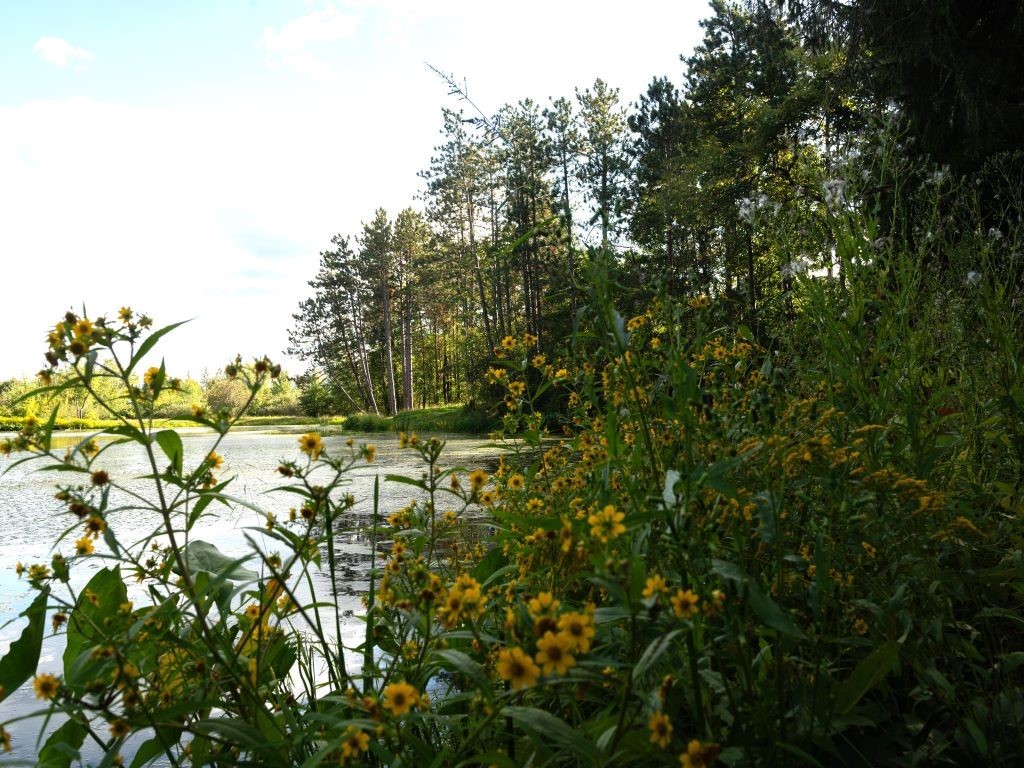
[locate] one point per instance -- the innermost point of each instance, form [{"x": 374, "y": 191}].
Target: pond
[{"x": 31, "y": 521}]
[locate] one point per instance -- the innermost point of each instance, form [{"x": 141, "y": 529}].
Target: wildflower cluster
[{"x": 698, "y": 562}]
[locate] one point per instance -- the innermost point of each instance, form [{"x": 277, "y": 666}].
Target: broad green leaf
[
  {"x": 127, "y": 430},
  {"x": 170, "y": 442},
  {"x": 101, "y": 598},
  {"x": 654, "y": 651},
  {"x": 729, "y": 571},
  {"x": 980, "y": 742},
  {"x": 491, "y": 563},
  {"x": 866, "y": 676},
  {"x": 63, "y": 745},
  {"x": 152, "y": 748},
  {"x": 235, "y": 731},
  {"x": 48, "y": 429},
  {"x": 769, "y": 612},
  {"x": 554, "y": 730},
  {"x": 203, "y": 556},
  {"x": 21, "y": 659},
  {"x": 404, "y": 480}
]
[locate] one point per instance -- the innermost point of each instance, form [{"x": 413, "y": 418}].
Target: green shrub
[{"x": 367, "y": 422}]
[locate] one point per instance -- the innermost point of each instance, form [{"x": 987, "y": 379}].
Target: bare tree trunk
[
  {"x": 484, "y": 308},
  {"x": 751, "y": 286},
  {"x": 354, "y": 365},
  {"x": 407, "y": 400},
  {"x": 365, "y": 367},
  {"x": 568, "y": 226},
  {"x": 389, "y": 363}
]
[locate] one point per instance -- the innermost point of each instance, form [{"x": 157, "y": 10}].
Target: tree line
[
  {"x": 283, "y": 396},
  {"x": 788, "y": 114}
]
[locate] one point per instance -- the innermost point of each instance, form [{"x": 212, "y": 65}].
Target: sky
[{"x": 191, "y": 159}]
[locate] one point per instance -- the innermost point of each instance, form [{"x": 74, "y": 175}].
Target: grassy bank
[
  {"x": 453, "y": 418},
  {"x": 448, "y": 418}
]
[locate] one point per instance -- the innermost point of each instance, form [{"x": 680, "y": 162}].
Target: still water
[{"x": 31, "y": 521}]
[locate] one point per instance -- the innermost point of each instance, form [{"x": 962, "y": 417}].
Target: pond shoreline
[{"x": 32, "y": 521}]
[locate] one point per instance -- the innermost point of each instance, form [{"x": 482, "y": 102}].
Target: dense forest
[{"x": 727, "y": 181}]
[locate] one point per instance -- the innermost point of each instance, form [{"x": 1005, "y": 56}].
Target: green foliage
[
  {"x": 718, "y": 559},
  {"x": 465, "y": 419},
  {"x": 368, "y": 422}
]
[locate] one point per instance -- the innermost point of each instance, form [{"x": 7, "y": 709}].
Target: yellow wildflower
[
  {"x": 119, "y": 728},
  {"x": 579, "y": 629},
  {"x": 477, "y": 479},
  {"x": 84, "y": 546},
  {"x": 518, "y": 668},
  {"x": 661, "y": 729},
  {"x": 400, "y": 697},
  {"x": 684, "y": 603},
  {"x": 542, "y": 604},
  {"x": 554, "y": 653},
  {"x": 356, "y": 741},
  {"x": 311, "y": 444},
  {"x": 46, "y": 686},
  {"x": 655, "y": 586},
  {"x": 607, "y": 524}
]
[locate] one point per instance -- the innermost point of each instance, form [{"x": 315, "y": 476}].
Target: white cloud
[
  {"x": 60, "y": 52},
  {"x": 182, "y": 213},
  {"x": 290, "y": 44}
]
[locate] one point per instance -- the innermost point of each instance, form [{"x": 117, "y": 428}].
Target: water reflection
[{"x": 31, "y": 520}]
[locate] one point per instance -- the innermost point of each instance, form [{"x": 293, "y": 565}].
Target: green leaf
[
  {"x": 618, "y": 325},
  {"x": 170, "y": 442},
  {"x": 404, "y": 480},
  {"x": 491, "y": 564},
  {"x": 729, "y": 571},
  {"x": 148, "y": 344},
  {"x": 235, "y": 731},
  {"x": 150, "y": 749},
  {"x": 555, "y": 730},
  {"x": 63, "y": 745},
  {"x": 980, "y": 742},
  {"x": 48, "y": 429},
  {"x": 495, "y": 758},
  {"x": 87, "y": 618},
  {"x": 866, "y": 676},
  {"x": 770, "y": 613},
  {"x": 654, "y": 651},
  {"x": 463, "y": 663},
  {"x": 127, "y": 430},
  {"x": 805, "y": 757},
  {"x": 767, "y": 610},
  {"x": 21, "y": 659},
  {"x": 203, "y": 556}
]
